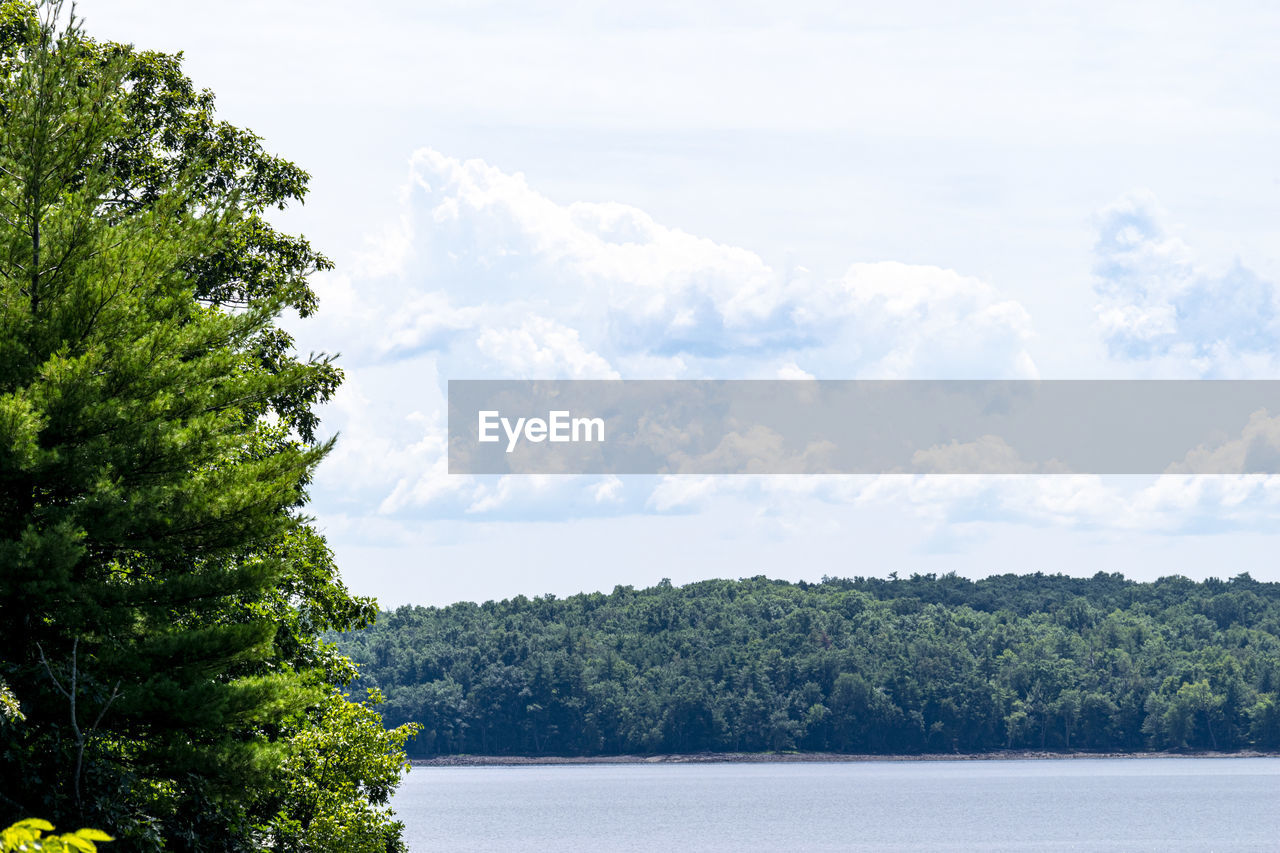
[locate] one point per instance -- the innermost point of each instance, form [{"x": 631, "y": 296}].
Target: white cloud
[
  {"x": 989, "y": 454},
  {"x": 757, "y": 450},
  {"x": 1159, "y": 306},
  {"x": 504, "y": 279},
  {"x": 923, "y": 322},
  {"x": 1256, "y": 451},
  {"x": 493, "y": 279},
  {"x": 791, "y": 370},
  {"x": 608, "y": 490},
  {"x": 540, "y": 348},
  {"x": 482, "y": 276}
]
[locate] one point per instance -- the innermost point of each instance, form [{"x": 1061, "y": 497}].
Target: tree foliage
[
  {"x": 911, "y": 665},
  {"x": 341, "y": 772},
  {"x": 162, "y": 596},
  {"x": 30, "y": 834}
]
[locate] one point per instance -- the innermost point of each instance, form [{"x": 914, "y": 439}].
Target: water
[{"x": 1156, "y": 804}]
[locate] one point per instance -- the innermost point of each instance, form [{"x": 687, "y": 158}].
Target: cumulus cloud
[
  {"x": 481, "y": 276},
  {"x": 484, "y": 277},
  {"x": 1255, "y": 451},
  {"x": 1156, "y": 303},
  {"x": 989, "y": 454},
  {"x": 540, "y": 348},
  {"x": 485, "y": 238},
  {"x": 758, "y": 450},
  {"x": 791, "y": 370},
  {"x": 501, "y": 280},
  {"x": 922, "y": 322},
  {"x": 1168, "y": 505}
]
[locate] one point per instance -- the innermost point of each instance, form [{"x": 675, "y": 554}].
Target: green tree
[
  {"x": 339, "y": 777},
  {"x": 1264, "y": 722},
  {"x": 856, "y": 665},
  {"x": 169, "y": 134},
  {"x": 162, "y": 597}
]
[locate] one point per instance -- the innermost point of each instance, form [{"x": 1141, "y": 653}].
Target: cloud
[
  {"x": 922, "y": 322},
  {"x": 540, "y": 348},
  {"x": 482, "y": 276},
  {"x": 758, "y": 450},
  {"x": 989, "y": 454},
  {"x": 485, "y": 238},
  {"x": 1256, "y": 451},
  {"x": 1165, "y": 505},
  {"x": 1156, "y": 303},
  {"x": 791, "y": 370},
  {"x": 501, "y": 280}
]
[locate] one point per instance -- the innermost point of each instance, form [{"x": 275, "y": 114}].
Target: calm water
[{"x": 1154, "y": 804}]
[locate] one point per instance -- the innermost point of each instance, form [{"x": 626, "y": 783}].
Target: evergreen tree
[{"x": 162, "y": 597}]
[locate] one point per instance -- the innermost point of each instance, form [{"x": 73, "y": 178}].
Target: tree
[
  {"x": 339, "y": 778},
  {"x": 169, "y": 134},
  {"x": 854, "y": 665},
  {"x": 163, "y": 597},
  {"x": 1264, "y": 722}
]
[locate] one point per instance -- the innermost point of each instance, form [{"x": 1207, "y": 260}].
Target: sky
[{"x": 759, "y": 190}]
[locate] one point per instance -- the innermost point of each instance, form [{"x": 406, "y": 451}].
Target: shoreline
[{"x": 806, "y": 757}]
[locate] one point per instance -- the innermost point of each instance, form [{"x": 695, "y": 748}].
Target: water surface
[{"x": 1155, "y": 804}]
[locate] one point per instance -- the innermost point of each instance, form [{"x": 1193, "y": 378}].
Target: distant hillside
[{"x": 922, "y": 664}]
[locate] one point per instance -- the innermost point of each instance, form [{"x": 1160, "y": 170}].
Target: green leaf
[
  {"x": 74, "y": 842},
  {"x": 93, "y": 834}
]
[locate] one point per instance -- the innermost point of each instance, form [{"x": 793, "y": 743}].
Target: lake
[{"x": 1156, "y": 804}]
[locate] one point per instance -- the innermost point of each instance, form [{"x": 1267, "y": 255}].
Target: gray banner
[{"x": 863, "y": 427}]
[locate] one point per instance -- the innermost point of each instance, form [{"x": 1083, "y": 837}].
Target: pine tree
[{"x": 161, "y": 596}]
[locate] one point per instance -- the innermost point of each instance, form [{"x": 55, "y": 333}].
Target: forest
[{"x": 925, "y": 664}]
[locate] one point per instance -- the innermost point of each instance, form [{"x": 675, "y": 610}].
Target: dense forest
[{"x": 862, "y": 665}]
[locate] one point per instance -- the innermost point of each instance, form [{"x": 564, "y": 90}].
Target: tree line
[{"x": 925, "y": 664}]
